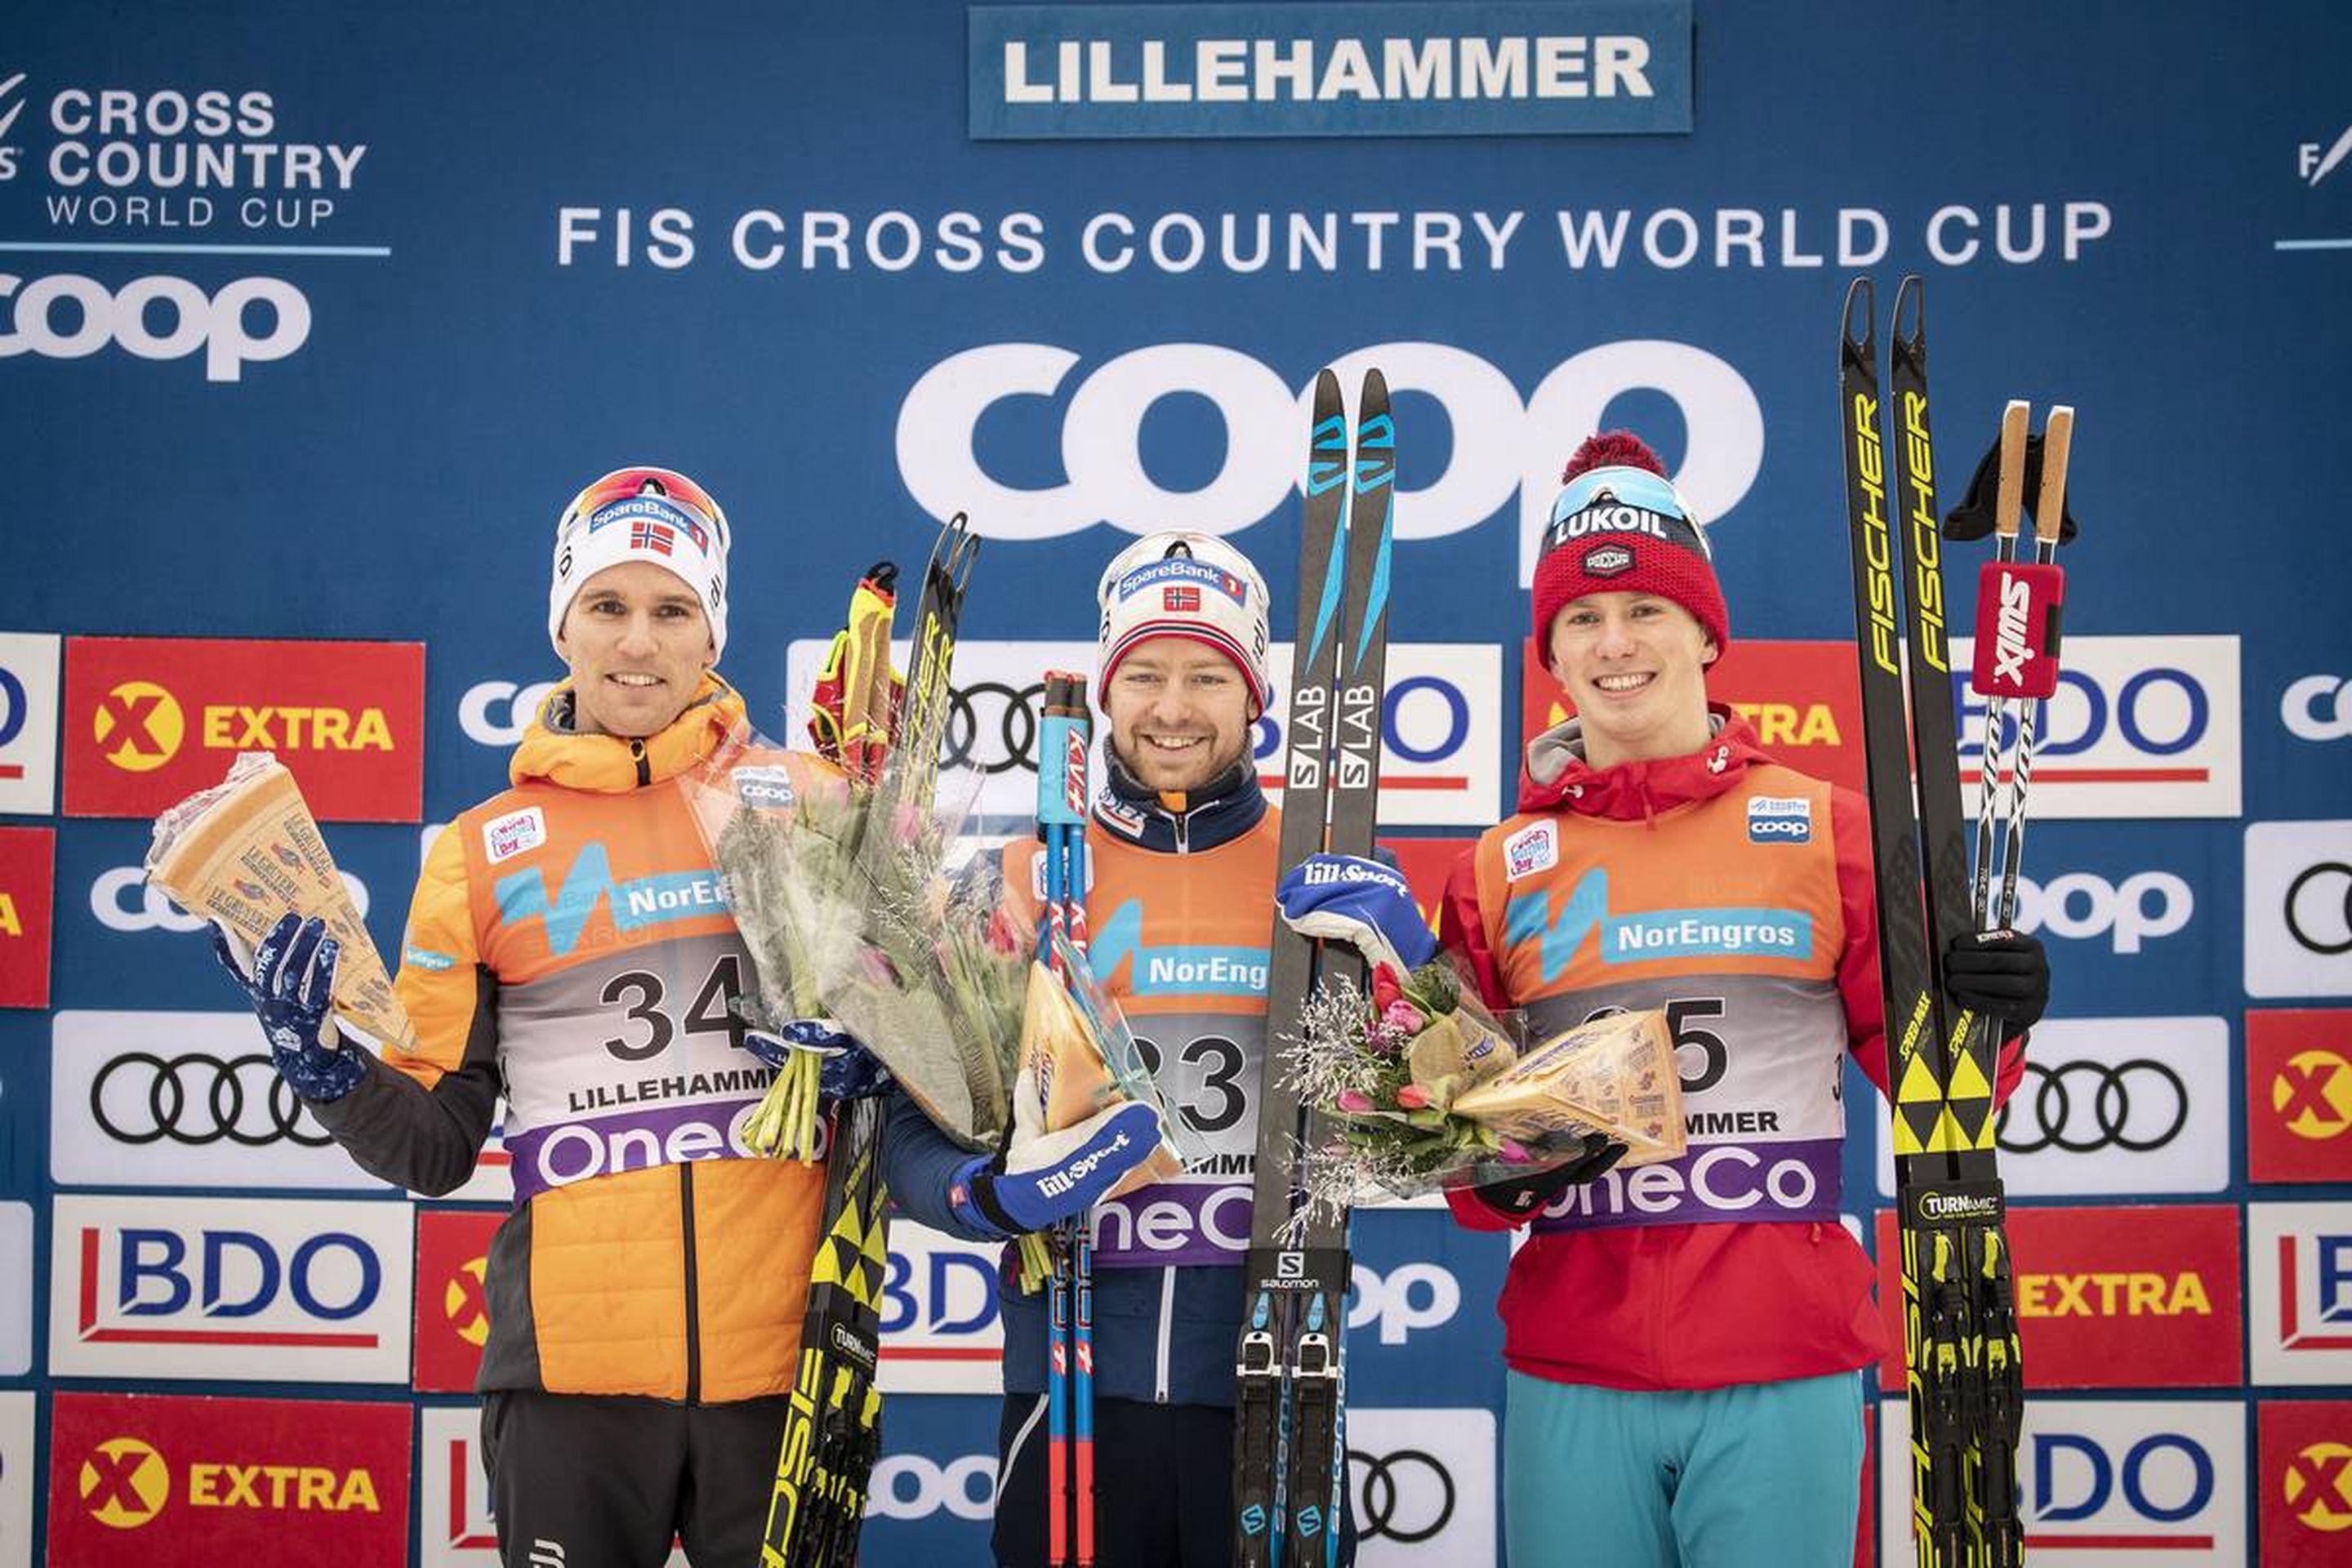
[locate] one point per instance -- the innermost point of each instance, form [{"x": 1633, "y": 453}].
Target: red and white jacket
[{"x": 1736, "y": 894}]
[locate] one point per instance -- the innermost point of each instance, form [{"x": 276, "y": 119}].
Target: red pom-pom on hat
[{"x": 1612, "y": 449}]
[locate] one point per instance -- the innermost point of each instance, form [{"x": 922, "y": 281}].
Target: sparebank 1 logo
[{"x": 1500, "y": 443}]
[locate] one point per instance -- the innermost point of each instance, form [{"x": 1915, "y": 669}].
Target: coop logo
[
  {"x": 2082, "y": 907},
  {"x": 1500, "y": 443},
  {"x": 1410, "y": 1297},
  {"x": 2314, "y": 163},
  {"x": 254, "y": 1288},
  {"x": 2300, "y": 1255},
  {"x": 1758, "y": 932},
  {"x": 1780, "y": 819},
  {"x": 252, "y": 320},
  {"x": 2138, "y": 727},
  {"x": 123, "y": 899},
  {"x": 916, "y": 1486},
  {"x": 497, "y": 712},
  {"x": 2318, "y": 707}
]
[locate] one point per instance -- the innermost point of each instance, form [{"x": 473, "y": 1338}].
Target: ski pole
[
  {"x": 2049, "y": 513},
  {"x": 2009, "y": 503}
]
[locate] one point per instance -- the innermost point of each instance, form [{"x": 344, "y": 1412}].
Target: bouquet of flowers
[{"x": 1425, "y": 1090}]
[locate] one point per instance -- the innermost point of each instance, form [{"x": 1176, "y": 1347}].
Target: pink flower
[
  {"x": 1514, "y": 1153},
  {"x": 1402, "y": 1016},
  {"x": 1413, "y": 1097},
  {"x": 1354, "y": 1101}
]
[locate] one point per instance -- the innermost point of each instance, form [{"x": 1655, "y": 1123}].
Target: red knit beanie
[{"x": 1620, "y": 526}]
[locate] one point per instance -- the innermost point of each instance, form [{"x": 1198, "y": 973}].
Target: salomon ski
[{"x": 1289, "y": 1442}]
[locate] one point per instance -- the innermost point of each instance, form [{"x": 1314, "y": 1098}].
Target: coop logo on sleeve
[
  {"x": 146, "y": 1478},
  {"x": 28, "y": 884},
  {"x": 28, "y": 722},
  {"x": 150, "y": 720},
  {"x": 1780, "y": 819},
  {"x": 181, "y": 1099},
  {"x": 2299, "y": 909},
  {"x": 2303, "y": 1482},
  {"x": 1407, "y": 69},
  {"x": 2139, "y": 727},
  {"x": 941, "y": 1330},
  {"x": 2108, "y": 1297},
  {"x": 2105, "y": 1482},
  {"x": 284, "y": 1289},
  {"x": 452, "y": 1316},
  {"x": 2114, "y": 1107},
  {"x": 2300, "y": 1303},
  {"x": 17, "y": 1293},
  {"x": 1800, "y": 697},
  {"x": 2299, "y": 1095},
  {"x": 18, "y": 1413},
  {"x": 1441, "y": 761},
  {"x": 453, "y": 1490}
]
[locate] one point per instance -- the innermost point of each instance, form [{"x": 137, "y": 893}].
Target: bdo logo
[
  {"x": 139, "y": 726},
  {"x": 2312, "y": 1094},
  {"x": 2319, "y": 1487},
  {"x": 124, "y": 1483}
]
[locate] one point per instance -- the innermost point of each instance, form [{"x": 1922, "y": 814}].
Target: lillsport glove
[
  {"x": 1042, "y": 1180},
  {"x": 292, "y": 990},
  {"x": 1523, "y": 1197},
  {"x": 847, "y": 1071},
  {"x": 2002, "y": 974},
  {"x": 1346, "y": 898}
]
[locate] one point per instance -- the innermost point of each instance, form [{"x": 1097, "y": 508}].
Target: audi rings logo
[
  {"x": 198, "y": 1100},
  {"x": 2319, "y": 908},
  {"x": 992, "y": 728},
  {"x": 2082, "y": 1107},
  {"x": 1406, "y": 1497}
]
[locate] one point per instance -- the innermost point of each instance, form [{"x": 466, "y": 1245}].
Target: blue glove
[
  {"x": 848, "y": 1071},
  {"x": 1041, "y": 1181},
  {"x": 292, "y": 992},
  {"x": 1346, "y": 899}
]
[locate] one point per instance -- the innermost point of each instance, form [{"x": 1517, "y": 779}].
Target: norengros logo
[{"x": 1597, "y": 67}]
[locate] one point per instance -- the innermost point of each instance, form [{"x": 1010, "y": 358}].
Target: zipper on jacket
[
  {"x": 1183, "y": 833},
  {"x": 1167, "y": 1333},
  {"x": 645, "y": 766},
  {"x": 693, "y": 1289}
]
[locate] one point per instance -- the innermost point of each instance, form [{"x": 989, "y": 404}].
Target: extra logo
[
  {"x": 28, "y": 882},
  {"x": 1501, "y": 445},
  {"x": 1440, "y": 760},
  {"x": 281, "y": 1289},
  {"x": 2113, "y": 1107},
  {"x": 2299, "y": 1095},
  {"x": 150, "y": 720},
  {"x": 2304, "y": 1480},
  {"x": 1533, "y": 848},
  {"x": 2106, "y": 1481},
  {"x": 2108, "y": 1297},
  {"x": 205, "y": 1110},
  {"x": 146, "y": 1478},
  {"x": 2138, "y": 727},
  {"x": 2299, "y": 1258},
  {"x": 28, "y": 722},
  {"x": 1780, "y": 819},
  {"x": 452, "y": 1315},
  {"x": 2299, "y": 909}
]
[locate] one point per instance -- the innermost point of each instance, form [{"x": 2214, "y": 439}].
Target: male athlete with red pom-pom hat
[{"x": 1684, "y": 1340}]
